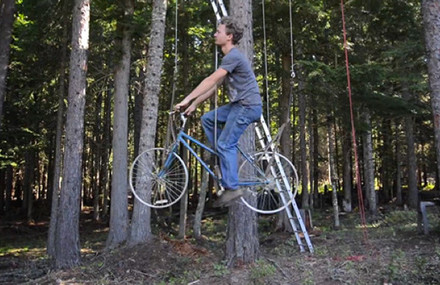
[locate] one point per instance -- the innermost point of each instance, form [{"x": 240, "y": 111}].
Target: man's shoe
[{"x": 228, "y": 196}]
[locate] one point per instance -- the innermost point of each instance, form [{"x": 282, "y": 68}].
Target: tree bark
[
  {"x": 58, "y": 141},
  {"x": 202, "y": 199},
  {"x": 242, "y": 245},
  {"x": 118, "y": 232},
  {"x": 7, "y": 10},
  {"x": 332, "y": 173},
  {"x": 413, "y": 192},
  {"x": 106, "y": 149},
  {"x": 369, "y": 165},
  {"x": 305, "y": 203},
  {"x": 141, "y": 224},
  {"x": 347, "y": 173},
  {"x": 399, "y": 199},
  {"x": 67, "y": 246},
  {"x": 431, "y": 21}
]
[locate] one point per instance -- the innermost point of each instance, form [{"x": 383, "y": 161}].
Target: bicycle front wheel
[
  {"x": 158, "y": 178},
  {"x": 277, "y": 181}
]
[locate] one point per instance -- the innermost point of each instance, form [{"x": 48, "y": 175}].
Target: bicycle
[{"x": 159, "y": 176}]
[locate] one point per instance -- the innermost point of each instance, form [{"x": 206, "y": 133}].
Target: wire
[{"x": 265, "y": 64}]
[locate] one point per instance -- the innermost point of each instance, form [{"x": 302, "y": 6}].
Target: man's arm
[
  {"x": 208, "y": 84},
  {"x": 191, "y": 108}
]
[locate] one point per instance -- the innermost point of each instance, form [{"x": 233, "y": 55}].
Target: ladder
[{"x": 266, "y": 142}]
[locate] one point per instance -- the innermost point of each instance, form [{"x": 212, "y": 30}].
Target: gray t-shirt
[{"x": 240, "y": 79}]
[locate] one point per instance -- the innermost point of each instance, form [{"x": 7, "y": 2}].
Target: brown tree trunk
[
  {"x": 431, "y": 21},
  {"x": 305, "y": 203},
  {"x": 118, "y": 232},
  {"x": 369, "y": 165},
  {"x": 347, "y": 173},
  {"x": 141, "y": 224},
  {"x": 242, "y": 245},
  {"x": 7, "y": 9},
  {"x": 413, "y": 192},
  {"x": 332, "y": 173},
  {"x": 67, "y": 246},
  {"x": 398, "y": 186}
]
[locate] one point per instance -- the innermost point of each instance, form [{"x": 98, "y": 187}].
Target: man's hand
[
  {"x": 190, "y": 109},
  {"x": 180, "y": 106}
]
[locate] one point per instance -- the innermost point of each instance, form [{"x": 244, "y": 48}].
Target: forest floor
[{"x": 393, "y": 254}]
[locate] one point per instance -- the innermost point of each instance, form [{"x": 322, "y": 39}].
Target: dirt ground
[{"x": 392, "y": 253}]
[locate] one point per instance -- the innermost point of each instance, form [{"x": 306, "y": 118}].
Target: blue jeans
[{"x": 232, "y": 119}]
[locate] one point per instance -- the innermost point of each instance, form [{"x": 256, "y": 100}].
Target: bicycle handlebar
[{"x": 183, "y": 118}]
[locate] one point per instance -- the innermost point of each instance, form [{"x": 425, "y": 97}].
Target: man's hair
[{"x": 232, "y": 28}]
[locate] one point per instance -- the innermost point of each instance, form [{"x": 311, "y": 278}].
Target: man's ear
[{"x": 230, "y": 37}]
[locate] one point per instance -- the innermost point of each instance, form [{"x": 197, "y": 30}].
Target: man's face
[{"x": 221, "y": 38}]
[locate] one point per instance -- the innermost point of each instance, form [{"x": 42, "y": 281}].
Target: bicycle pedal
[
  {"x": 220, "y": 191},
  {"x": 161, "y": 202}
]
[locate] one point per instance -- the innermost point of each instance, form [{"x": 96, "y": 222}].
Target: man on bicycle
[{"x": 244, "y": 108}]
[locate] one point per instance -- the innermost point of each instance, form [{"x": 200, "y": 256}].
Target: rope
[
  {"x": 176, "y": 42},
  {"x": 265, "y": 64},
  {"x": 292, "y": 70},
  {"x": 353, "y": 132},
  {"x": 170, "y": 131}
]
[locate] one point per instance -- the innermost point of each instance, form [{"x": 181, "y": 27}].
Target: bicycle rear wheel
[
  {"x": 158, "y": 178},
  {"x": 278, "y": 178}
]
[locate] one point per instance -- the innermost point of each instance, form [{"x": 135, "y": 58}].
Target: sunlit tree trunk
[
  {"x": 55, "y": 192},
  {"x": 118, "y": 232},
  {"x": 141, "y": 219},
  {"x": 431, "y": 21},
  {"x": 242, "y": 245},
  {"x": 58, "y": 154},
  {"x": 7, "y": 9},
  {"x": 67, "y": 246}
]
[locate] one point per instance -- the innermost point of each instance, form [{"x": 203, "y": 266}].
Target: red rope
[{"x": 353, "y": 133}]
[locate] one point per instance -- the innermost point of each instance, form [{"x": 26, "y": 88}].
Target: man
[{"x": 243, "y": 109}]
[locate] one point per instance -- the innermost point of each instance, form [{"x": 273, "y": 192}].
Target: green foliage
[{"x": 262, "y": 271}]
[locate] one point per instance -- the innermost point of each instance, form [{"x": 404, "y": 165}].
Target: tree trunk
[
  {"x": 399, "y": 200},
  {"x": 7, "y": 9},
  {"x": 95, "y": 155},
  {"x": 285, "y": 103},
  {"x": 67, "y": 246},
  {"x": 413, "y": 192},
  {"x": 118, "y": 232},
  {"x": 369, "y": 165},
  {"x": 8, "y": 190},
  {"x": 332, "y": 173},
  {"x": 315, "y": 160},
  {"x": 28, "y": 197},
  {"x": 347, "y": 173},
  {"x": 303, "y": 150},
  {"x": 387, "y": 161},
  {"x": 242, "y": 245},
  {"x": 141, "y": 224},
  {"x": 202, "y": 199},
  {"x": 184, "y": 200},
  {"x": 431, "y": 21},
  {"x": 58, "y": 141},
  {"x": 106, "y": 149}
]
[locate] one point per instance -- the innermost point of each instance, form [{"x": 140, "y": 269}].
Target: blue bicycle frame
[{"x": 182, "y": 138}]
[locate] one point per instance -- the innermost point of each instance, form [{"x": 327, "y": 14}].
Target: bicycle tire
[
  {"x": 154, "y": 184},
  {"x": 267, "y": 198}
]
